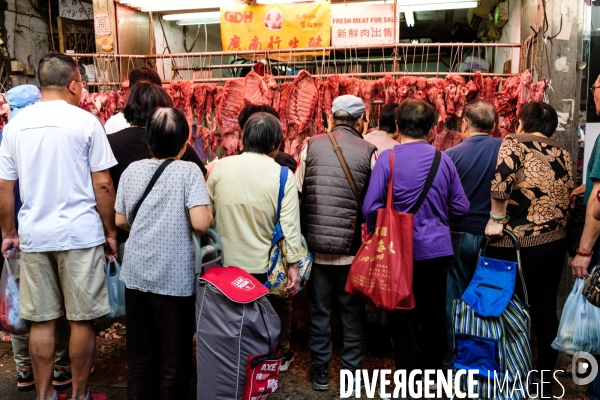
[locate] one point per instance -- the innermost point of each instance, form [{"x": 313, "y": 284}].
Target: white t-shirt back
[
  {"x": 116, "y": 123},
  {"x": 52, "y": 148}
]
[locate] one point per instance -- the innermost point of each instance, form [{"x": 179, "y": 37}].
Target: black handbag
[{"x": 591, "y": 289}]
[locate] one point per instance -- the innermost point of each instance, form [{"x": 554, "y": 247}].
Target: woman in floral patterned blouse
[{"x": 530, "y": 197}]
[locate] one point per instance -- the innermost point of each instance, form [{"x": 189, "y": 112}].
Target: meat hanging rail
[
  {"x": 307, "y": 86},
  {"x": 419, "y": 59}
]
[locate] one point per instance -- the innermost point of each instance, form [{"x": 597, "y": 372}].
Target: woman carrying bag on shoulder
[
  {"x": 419, "y": 334},
  {"x": 159, "y": 201}
]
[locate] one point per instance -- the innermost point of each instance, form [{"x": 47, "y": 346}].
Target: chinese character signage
[
  {"x": 363, "y": 25},
  {"x": 102, "y": 24},
  {"x": 274, "y": 27}
]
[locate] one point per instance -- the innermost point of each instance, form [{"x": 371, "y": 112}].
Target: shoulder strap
[
  {"x": 338, "y": 151},
  {"x": 428, "y": 182},
  {"x": 155, "y": 177},
  {"x": 282, "y": 181}
]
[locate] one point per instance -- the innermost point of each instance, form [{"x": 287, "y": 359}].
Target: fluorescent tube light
[
  {"x": 409, "y": 17},
  {"x": 193, "y": 16},
  {"x": 200, "y": 21},
  {"x": 178, "y": 7},
  {"x": 440, "y": 6}
]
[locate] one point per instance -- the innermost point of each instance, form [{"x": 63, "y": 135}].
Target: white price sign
[
  {"x": 363, "y": 24},
  {"x": 75, "y": 9},
  {"x": 102, "y": 25}
]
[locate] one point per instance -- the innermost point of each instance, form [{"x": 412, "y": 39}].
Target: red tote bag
[{"x": 382, "y": 271}]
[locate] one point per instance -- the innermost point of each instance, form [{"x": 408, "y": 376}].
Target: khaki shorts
[{"x": 71, "y": 280}]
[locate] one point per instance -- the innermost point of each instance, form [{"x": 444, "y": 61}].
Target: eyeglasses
[
  {"x": 83, "y": 83},
  {"x": 593, "y": 88}
]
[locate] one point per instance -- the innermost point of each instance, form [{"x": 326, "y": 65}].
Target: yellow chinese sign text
[{"x": 275, "y": 26}]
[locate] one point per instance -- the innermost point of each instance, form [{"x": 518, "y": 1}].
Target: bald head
[{"x": 480, "y": 116}]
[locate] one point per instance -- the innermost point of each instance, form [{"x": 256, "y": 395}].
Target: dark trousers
[
  {"x": 542, "y": 269},
  {"x": 159, "y": 345},
  {"x": 327, "y": 281},
  {"x": 419, "y": 335}
]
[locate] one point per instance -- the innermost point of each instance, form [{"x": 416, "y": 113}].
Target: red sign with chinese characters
[
  {"x": 275, "y": 26},
  {"x": 363, "y": 24}
]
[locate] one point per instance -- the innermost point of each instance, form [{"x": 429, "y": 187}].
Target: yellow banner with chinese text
[{"x": 275, "y": 27}]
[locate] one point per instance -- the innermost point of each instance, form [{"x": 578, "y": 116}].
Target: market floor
[{"x": 111, "y": 369}]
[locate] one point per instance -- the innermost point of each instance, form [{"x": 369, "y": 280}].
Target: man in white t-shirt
[
  {"x": 61, "y": 156},
  {"x": 118, "y": 122}
]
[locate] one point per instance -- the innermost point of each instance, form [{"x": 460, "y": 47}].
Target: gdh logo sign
[{"x": 238, "y": 17}]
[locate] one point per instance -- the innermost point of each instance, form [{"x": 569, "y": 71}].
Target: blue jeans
[{"x": 460, "y": 272}]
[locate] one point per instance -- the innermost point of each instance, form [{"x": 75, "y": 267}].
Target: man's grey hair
[
  {"x": 262, "y": 133},
  {"x": 57, "y": 70},
  {"x": 480, "y": 114}
]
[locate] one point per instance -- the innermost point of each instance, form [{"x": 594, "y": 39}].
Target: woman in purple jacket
[{"x": 419, "y": 335}]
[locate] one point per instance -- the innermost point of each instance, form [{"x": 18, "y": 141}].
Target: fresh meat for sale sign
[{"x": 363, "y": 25}]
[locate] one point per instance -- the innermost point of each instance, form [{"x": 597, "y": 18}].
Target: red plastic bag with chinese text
[{"x": 382, "y": 271}]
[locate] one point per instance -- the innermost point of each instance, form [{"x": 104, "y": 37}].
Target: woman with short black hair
[
  {"x": 158, "y": 266},
  {"x": 143, "y": 98},
  {"x": 530, "y": 198}
]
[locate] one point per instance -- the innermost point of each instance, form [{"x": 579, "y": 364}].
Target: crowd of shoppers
[{"x": 72, "y": 219}]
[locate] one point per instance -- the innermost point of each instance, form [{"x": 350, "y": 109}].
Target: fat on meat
[
  {"x": 211, "y": 90},
  {"x": 285, "y": 91},
  {"x": 302, "y": 101},
  {"x": 176, "y": 95},
  {"x": 366, "y": 88},
  {"x": 404, "y": 87},
  {"x": 200, "y": 102},
  {"x": 187, "y": 94},
  {"x": 317, "y": 119},
  {"x": 478, "y": 81},
  {"x": 524, "y": 89},
  {"x": 328, "y": 93},
  {"x": 272, "y": 88},
  {"x": 206, "y": 135},
  {"x": 390, "y": 89},
  {"x": 435, "y": 94},
  {"x": 472, "y": 90},
  {"x": 508, "y": 126},
  {"x": 216, "y": 142},
  {"x": 87, "y": 102},
  {"x": 231, "y": 144},
  {"x": 444, "y": 138},
  {"x": 229, "y": 106},
  {"x": 256, "y": 90},
  {"x": 349, "y": 85},
  {"x": 450, "y": 90},
  {"x": 4, "y": 111},
  {"x": 420, "y": 92},
  {"x": 537, "y": 91}
]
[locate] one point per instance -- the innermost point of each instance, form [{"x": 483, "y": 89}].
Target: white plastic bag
[
  {"x": 116, "y": 291},
  {"x": 9, "y": 295},
  {"x": 579, "y": 328}
]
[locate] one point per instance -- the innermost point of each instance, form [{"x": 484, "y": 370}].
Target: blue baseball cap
[
  {"x": 351, "y": 104},
  {"x": 22, "y": 96}
]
